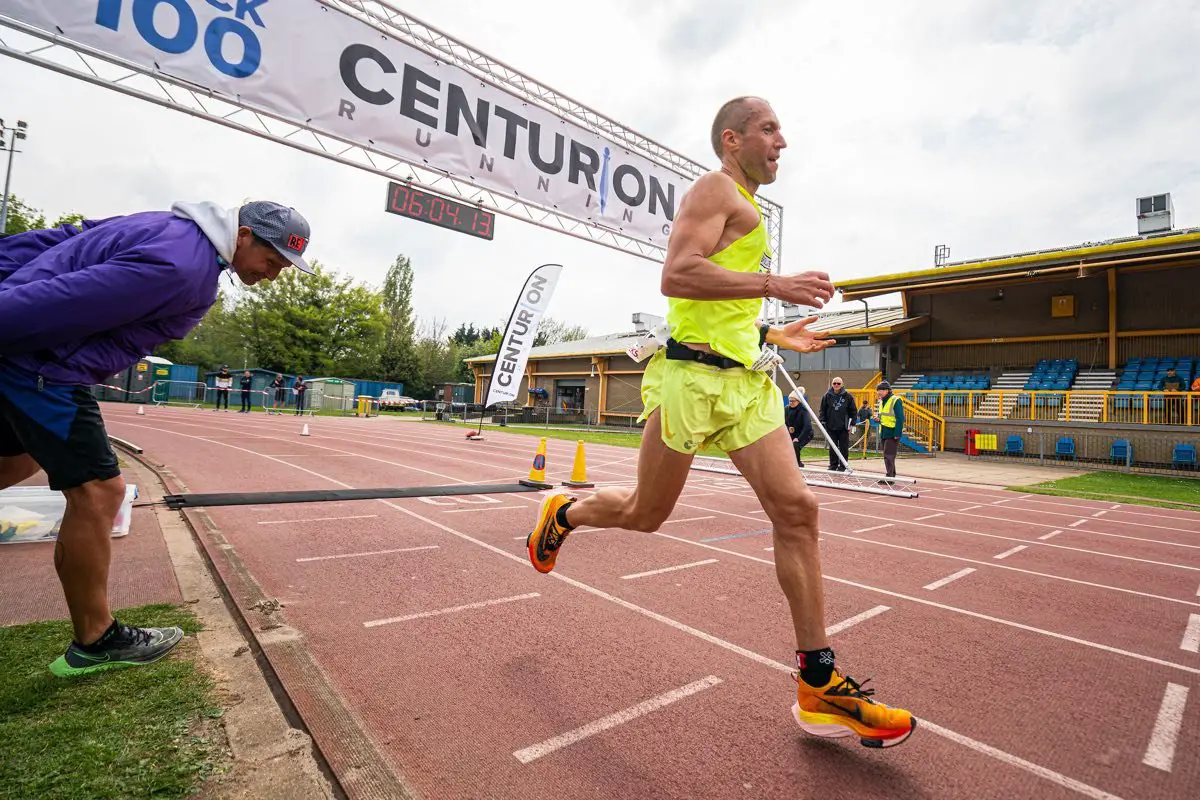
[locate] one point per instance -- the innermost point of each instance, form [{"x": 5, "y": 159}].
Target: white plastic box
[{"x": 34, "y": 514}]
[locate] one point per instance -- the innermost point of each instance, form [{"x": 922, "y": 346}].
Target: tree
[
  {"x": 437, "y": 359},
  {"x": 398, "y": 357},
  {"x": 312, "y": 324},
  {"x": 22, "y": 217},
  {"x": 553, "y": 331}
]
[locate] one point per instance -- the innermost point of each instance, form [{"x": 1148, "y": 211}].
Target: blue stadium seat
[
  {"x": 1065, "y": 447},
  {"x": 1120, "y": 451},
  {"x": 1184, "y": 455},
  {"x": 1014, "y": 446}
]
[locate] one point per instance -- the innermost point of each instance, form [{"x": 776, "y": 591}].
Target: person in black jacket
[
  {"x": 246, "y": 382},
  {"x": 280, "y": 387},
  {"x": 838, "y": 413},
  {"x": 799, "y": 425}
]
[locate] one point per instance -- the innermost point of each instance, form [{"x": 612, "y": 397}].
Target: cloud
[{"x": 990, "y": 126}]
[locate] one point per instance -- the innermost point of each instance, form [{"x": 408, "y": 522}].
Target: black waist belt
[{"x": 679, "y": 352}]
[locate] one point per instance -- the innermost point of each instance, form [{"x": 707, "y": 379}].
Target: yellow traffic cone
[
  {"x": 537, "y": 473},
  {"x": 579, "y": 470}
]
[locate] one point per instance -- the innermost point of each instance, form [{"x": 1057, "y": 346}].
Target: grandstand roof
[
  {"x": 885, "y": 321},
  {"x": 1089, "y": 255}
]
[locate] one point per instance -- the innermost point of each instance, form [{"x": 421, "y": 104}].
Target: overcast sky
[{"x": 992, "y": 126}]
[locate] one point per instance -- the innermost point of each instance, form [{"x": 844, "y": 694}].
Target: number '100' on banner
[{"x": 520, "y": 332}]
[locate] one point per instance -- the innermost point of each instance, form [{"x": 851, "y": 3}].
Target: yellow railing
[
  {"x": 1126, "y": 408},
  {"x": 920, "y": 423},
  {"x": 871, "y": 384}
]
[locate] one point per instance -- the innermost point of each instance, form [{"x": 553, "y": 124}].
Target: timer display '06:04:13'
[{"x": 444, "y": 212}]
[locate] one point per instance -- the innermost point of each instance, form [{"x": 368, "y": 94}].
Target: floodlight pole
[{"x": 18, "y": 133}]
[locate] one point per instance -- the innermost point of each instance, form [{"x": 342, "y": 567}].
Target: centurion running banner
[
  {"x": 520, "y": 332},
  {"x": 321, "y": 68}
]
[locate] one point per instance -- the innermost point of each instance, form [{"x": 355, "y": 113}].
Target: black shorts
[{"x": 60, "y": 427}]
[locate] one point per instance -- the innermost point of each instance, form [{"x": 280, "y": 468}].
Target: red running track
[{"x": 1047, "y": 645}]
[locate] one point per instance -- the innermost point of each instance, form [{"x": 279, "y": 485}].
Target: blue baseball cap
[{"x": 279, "y": 226}]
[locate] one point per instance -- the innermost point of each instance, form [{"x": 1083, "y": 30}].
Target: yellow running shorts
[{"x": 705, "y": 405}]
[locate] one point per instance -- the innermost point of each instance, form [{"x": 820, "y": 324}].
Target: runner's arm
[
  {"x": 689, "y": 274},
  {"x": 687, "y": 271}
]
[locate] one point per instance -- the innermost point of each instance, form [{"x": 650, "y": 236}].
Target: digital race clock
[{"x": 414, "y": 203}]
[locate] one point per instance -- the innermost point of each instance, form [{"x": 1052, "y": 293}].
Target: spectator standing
[
  {"x": 246, "y": 383},
  {"x": 890, "y": 416},
  {"x": 224, "y": 384},
  {"x": 299, "y": 388},
  {"x": 280, "y": 387},
  {"x": 837, "y": 414},
  {"x": 799, "y": 425}
]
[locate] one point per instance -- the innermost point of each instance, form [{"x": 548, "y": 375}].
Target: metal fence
[{"x": 1149, "y": 453}]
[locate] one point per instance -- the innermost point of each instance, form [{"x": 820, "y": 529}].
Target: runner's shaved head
[{"x": 734, "y": 116}]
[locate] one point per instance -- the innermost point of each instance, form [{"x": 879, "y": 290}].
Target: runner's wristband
[{"x": 763, "y": 330}]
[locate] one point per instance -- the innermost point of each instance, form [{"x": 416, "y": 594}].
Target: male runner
[{"x": 700, "y": 390}]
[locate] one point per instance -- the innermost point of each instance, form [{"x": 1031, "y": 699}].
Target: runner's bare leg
[
  {"x": 769, "y": 465},
  {"x": 662, "y": 472}
]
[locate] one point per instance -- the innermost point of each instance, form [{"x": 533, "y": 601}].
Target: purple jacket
[{"x": 77, "y": 306}]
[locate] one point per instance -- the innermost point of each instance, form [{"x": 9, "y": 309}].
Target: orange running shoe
[
  {"x": 843, "y": 708},
  {"x": 547, "y": 535}
]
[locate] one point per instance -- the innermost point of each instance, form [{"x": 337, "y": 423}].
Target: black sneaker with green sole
[{"x": 124, "y": 647}]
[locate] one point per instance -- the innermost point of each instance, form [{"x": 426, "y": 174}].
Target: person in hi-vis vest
[{"x": 889, "y": 414}]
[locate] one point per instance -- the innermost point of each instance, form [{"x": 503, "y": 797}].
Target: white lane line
[
  {"x": 1191, "y": 635},
  {"x": 857, "y": 618},
  {"x": 1005, "y": 500},
  {"x": 536, "y": 751},
  {"x": 1049, "y": 535},
  {"x": 370, "y": 553},
  {"x": 928, "y": 516},
  {"x": 1016, "y": 761},
  {"x": 955, "y": 609},
  {"x": 876, "y": 528},
  {"x": 1008, "y": 553},
  {"x": 1062, "y": 578},
  {"x": 979, "y": 747},
  {"x": 668, "y": 569},
  {"x": 314, "y": 519},
  {"x": 1077, "y": 523},
  {"x": 1160, "y": 752},
  {"x": 484, "y": 508},
  {"x": 689, "y": 519},
  {"x": 1099, "y": 513},
  {"x": 970, "y": 508},
  {"x": 422, "y": 615},
  {"x": 962, "y": 573},
  {"x": 771, "y": 548},
  {"x": 1115, "y": 507}
]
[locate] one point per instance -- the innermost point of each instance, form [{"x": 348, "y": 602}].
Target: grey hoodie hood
[{"x": 219, "y": 224}]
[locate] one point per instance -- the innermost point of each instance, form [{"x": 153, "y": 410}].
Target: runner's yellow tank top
[{"x": 727, "y": 325}]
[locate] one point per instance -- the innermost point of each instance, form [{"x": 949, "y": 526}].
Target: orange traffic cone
[
  {"x": 537, "y": 473},
  {"x": 579, "y": 470}
]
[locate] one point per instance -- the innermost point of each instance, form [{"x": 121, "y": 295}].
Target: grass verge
[
  {"x": 616, "y": 438},
  {"x": 1150, "y": 490},
  {"x": 151, "y": 731}
]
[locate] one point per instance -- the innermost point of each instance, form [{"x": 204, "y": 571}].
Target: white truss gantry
[{"x": 73, "y": 59}]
